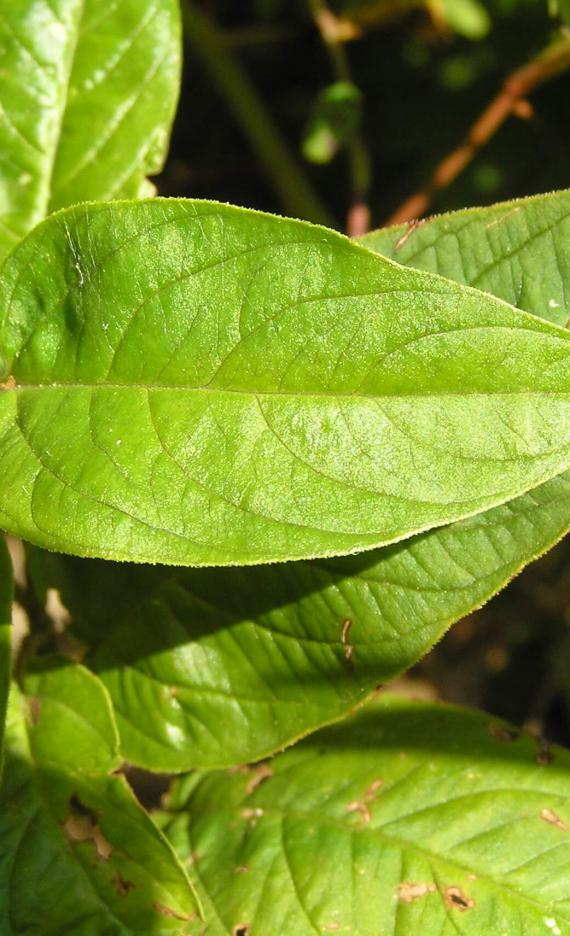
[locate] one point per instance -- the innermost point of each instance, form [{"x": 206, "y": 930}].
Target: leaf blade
[
  {"x": 419, "y": 816},
  {"x": 81, "y": 855},
  {"x": 76, "y": 83},
  {"x": 513, "y": 250},
  {"x": 209, "y": 668},
  {"x": 275, "y": 442},
  {"x": 6, "y": 597}
]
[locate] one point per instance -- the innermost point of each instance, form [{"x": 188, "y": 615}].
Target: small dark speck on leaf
[
  {"x": 457, "y": 899},
  {"x": 502, "y": 733},
  {"x": 122, "y": 886},
  {"x": 544, "y": 756},
  {"x": 241, "y": 929}
]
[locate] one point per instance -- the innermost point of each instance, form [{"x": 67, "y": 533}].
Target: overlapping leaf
[
  {"x": 87, "y": 95},
  {"x": 197, "y": 384},
  {"x": 407, "y": 819},
  {"x": 6, "y": 588},
  {"x": 515, "y": 250},
  {"x": 79, "y": 854},
  {"x": 214, "y": 667}
]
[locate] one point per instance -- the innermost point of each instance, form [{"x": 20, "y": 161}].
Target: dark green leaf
[
  {"x": 6, "y": 594},
  {"x": 87, "y": 94},
  {"x": 198, "y": 384},
  {"x": 79, "y": 855},
  {"x": 215, "y": 667},
  {"x": 407, "y": 820}
]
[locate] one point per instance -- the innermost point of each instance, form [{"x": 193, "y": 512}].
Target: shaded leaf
[
  {"x": 79, "y": 854},
  {"x": 6, "y": 594},
  {"x": 407, "y": 819},
  {"x": 515, "y": 250},
  {"x": 214, "y": 667},
  {"x": 192, "y": 383},
  {"x": 87, "y": 95}
]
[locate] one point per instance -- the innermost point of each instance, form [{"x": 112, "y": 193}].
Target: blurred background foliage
[{"x": 280, "y": 115}]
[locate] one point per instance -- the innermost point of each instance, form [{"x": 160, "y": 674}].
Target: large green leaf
[
  {"x": 409, "y": 819},
  {"x": 212, "y": 667},
  {"x": 6, "y": 593},
  {"x": 516, "y": 250},
  {"x": 79, "y": 854},
  {"x": 87, "y": 94},
  {"x": 198, "y": 384}
]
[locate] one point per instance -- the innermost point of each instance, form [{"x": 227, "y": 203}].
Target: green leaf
[
  {"x": 87, "y": 95},
  {"x": 6, "y": 595},
  {"x": 213, "y": 667},
  {"x": 334, "y": 122},
  {"x": 79, "y": 853},
  {"x": 198, "y": 384},
  {"x": 467, "y": 17},
  {"x": 515, "y": 250},
  {"x": 408, "y": 819}
]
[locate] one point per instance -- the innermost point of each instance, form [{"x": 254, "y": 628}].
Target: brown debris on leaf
[
  {"x": 260, "y": 773},
  {"x": 34, "y": 709},
  {"x": 548, "y": 815},
  {"x": 81, "y": 826},
  {"x": 457, "y": 899},
  {"x": 502, "y": 733},
  {"x": 414, "y": 890},
  {"x": 251, "y": 813},
  {"x": 8, "y": 384},
  {"x": 357, "y": 806},
  {"x": 373, "y": 789},
  {"x": 173, "y": 914},
  {"x": 544, "y": 756},
  {"x": 348, "y": 647},
  {"x": 241, "y": 929},
  {"x": 121, "y": 885}
]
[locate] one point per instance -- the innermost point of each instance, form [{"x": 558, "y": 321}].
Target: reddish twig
[{"x": 510, "y": 100}]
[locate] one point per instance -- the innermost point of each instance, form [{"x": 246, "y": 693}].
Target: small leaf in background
[
  {"x": 6, "y": 595},
  {"x": 516, "y": 251},
  {"x": 407, "y": 819},
  {"x": 469, "y": 18},
  {"x": 80, "y": 855},
  {"x": 334, "y": 122},
  {"x": 213, "y": 667},
  {"x": 560, "y": 8},
  {"x": 87, "y": 96},
  {"x": 192, "y": 383}
]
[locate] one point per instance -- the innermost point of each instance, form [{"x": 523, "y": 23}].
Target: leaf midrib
[{"x": 317, "y": 394}]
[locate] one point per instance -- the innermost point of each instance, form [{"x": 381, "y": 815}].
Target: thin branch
[
  {"x": 334, "y": 33},
  {"x": 282, "y": 170},
  {"x": 510, "y": 100}
]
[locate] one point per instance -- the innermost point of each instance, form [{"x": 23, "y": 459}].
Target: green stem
[
  {"x": 279, "y": 165},
  {"x": 358, "y": 155}
]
